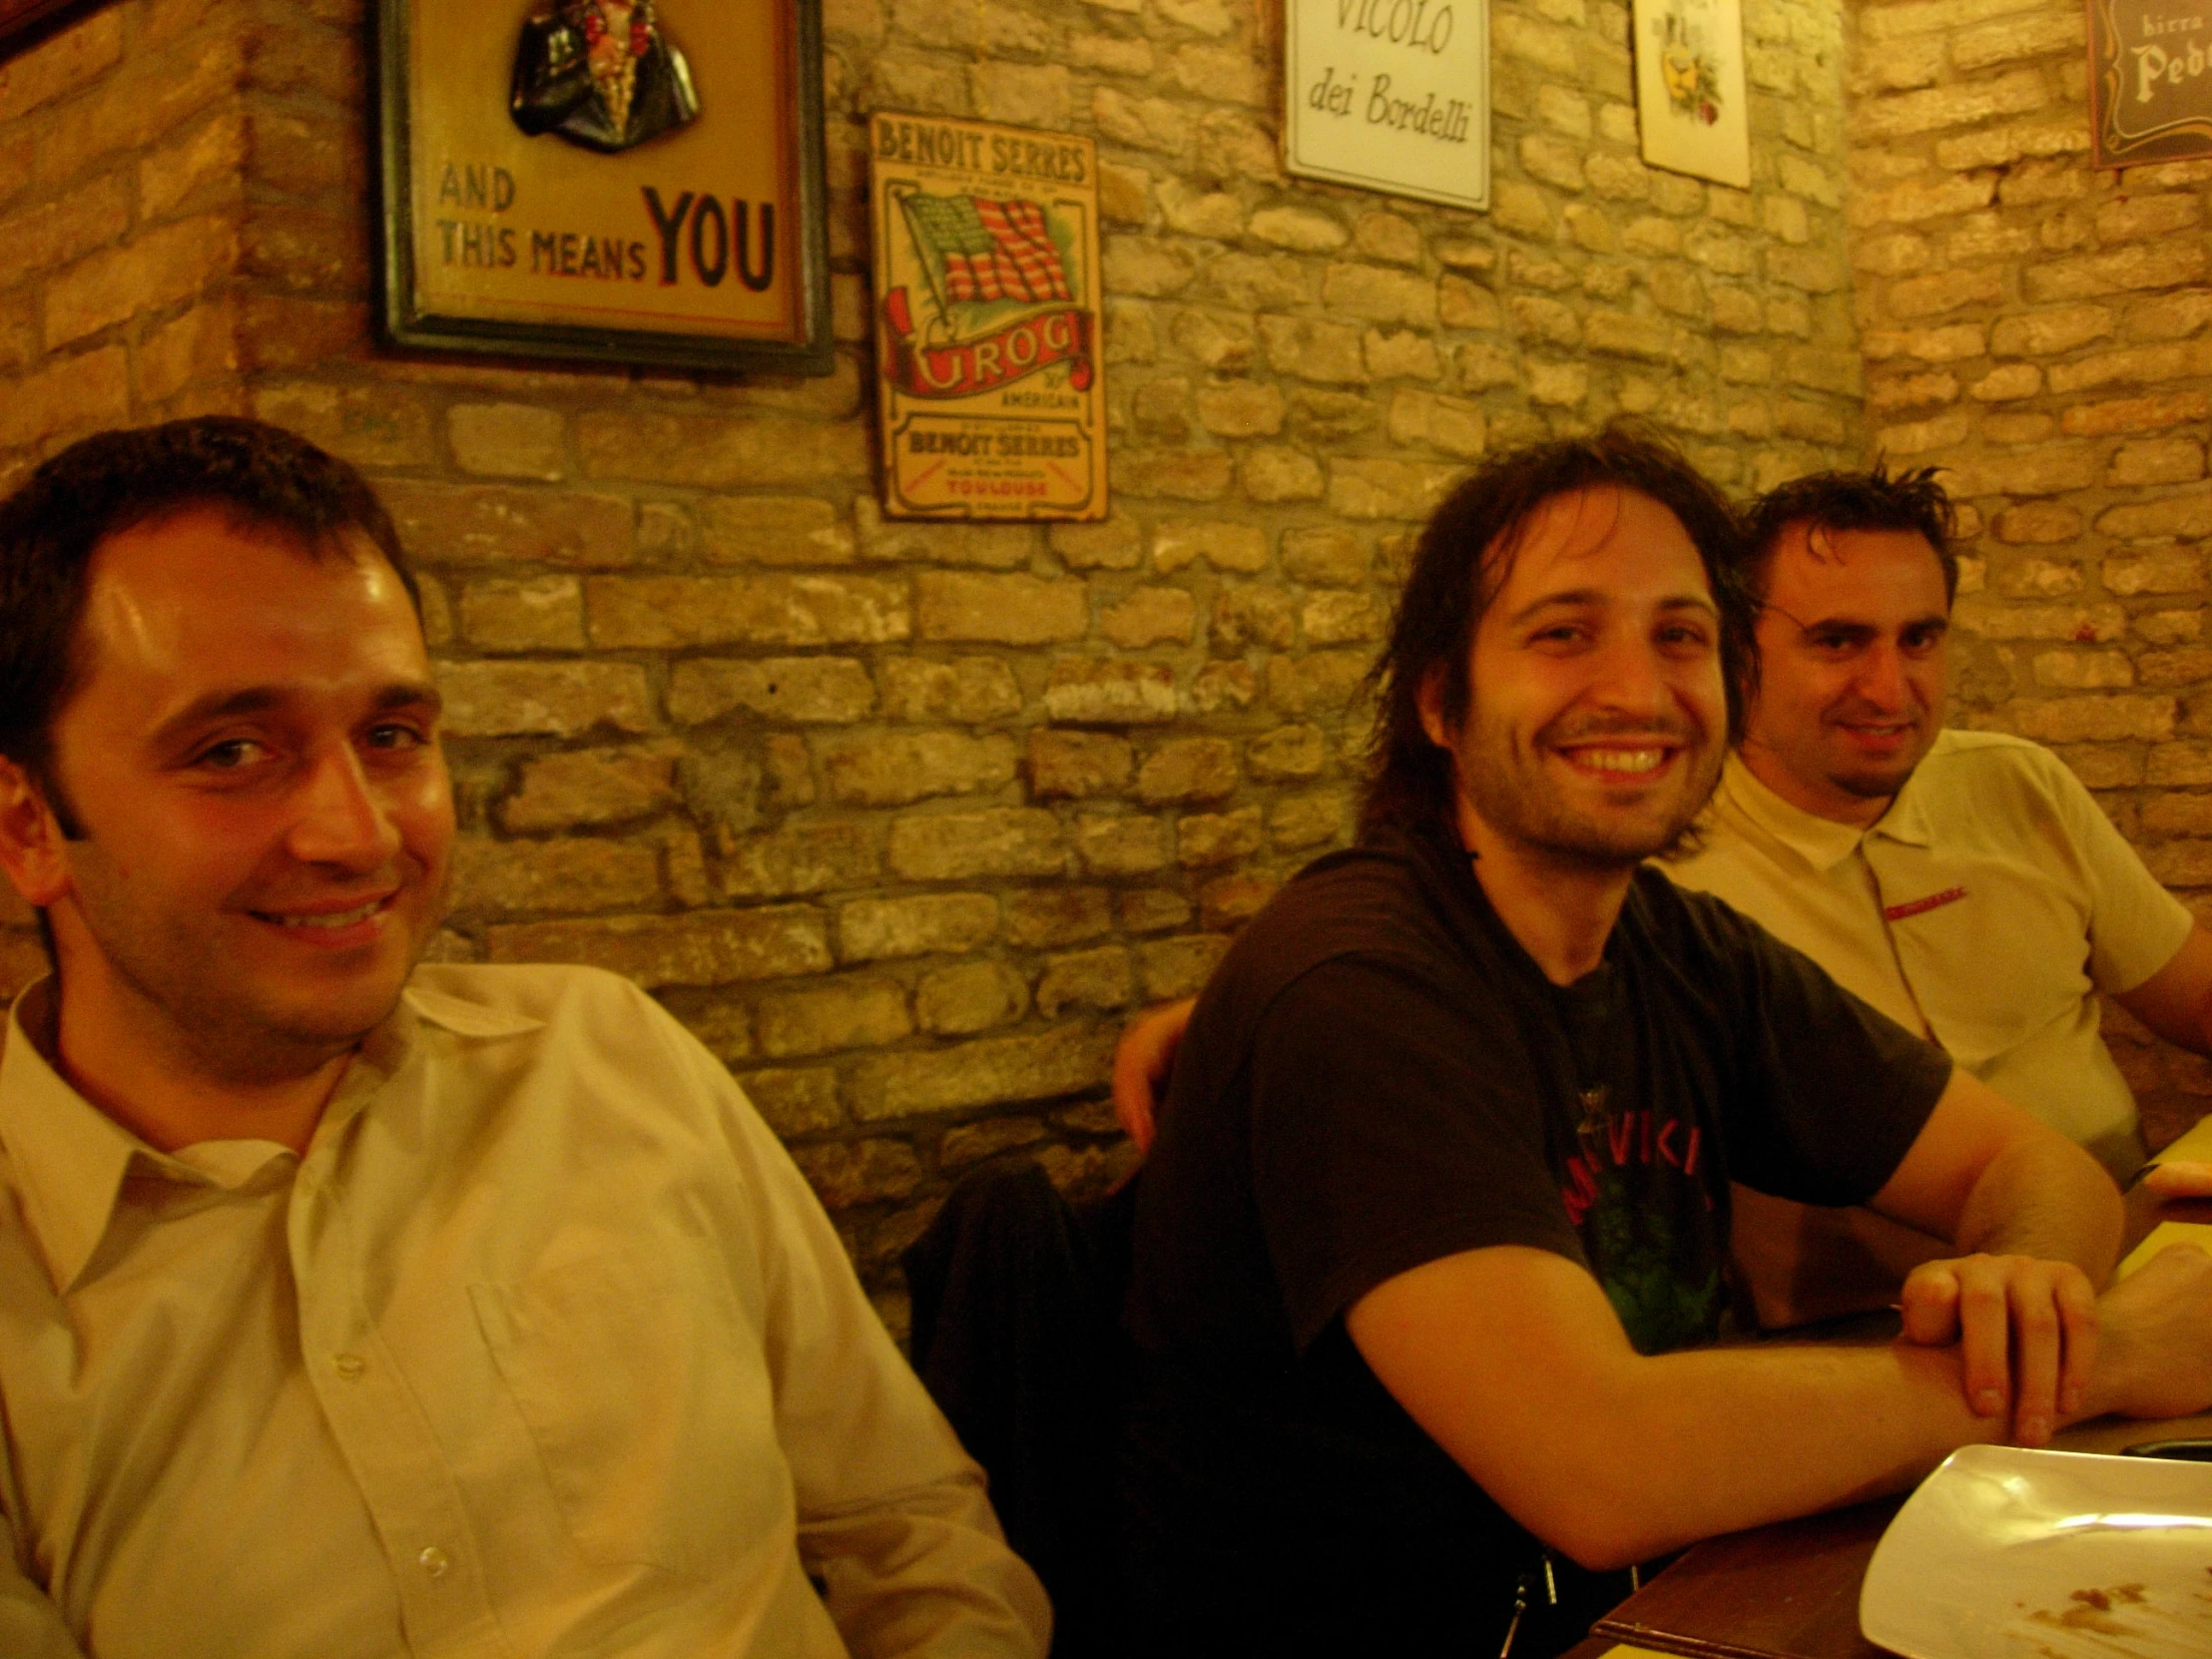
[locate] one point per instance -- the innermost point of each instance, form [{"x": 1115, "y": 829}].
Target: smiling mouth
[
  {"x": 331, "y": 919},
  {"x": 1620, "y": 761}
]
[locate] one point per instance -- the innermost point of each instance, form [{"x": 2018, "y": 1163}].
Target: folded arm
[
  {"x": 2037, "y": 1224},
  {"x": 1513, "y": 1361}
]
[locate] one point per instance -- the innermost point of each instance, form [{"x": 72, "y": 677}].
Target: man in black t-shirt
[{"x": 1434, "y": 1221}]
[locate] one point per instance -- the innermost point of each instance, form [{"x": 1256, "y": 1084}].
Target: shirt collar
[{"x": 69, "y": 1159}]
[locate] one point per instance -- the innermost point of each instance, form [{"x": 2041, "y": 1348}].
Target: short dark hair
[
  {"x": 1871, "y": 500},
  {"x": 1462, "y": 559},
  {"x": 265, "y": 477}
]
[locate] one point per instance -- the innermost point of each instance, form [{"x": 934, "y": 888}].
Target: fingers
[
  {"x": 1133, "y": 1091},
  {"x": 2182, "y": 1178},
  {"x": 1985, "y": 1335},
  {"x": 1929, "y": 1305},
  {"x": 2077, "y": 1313}
]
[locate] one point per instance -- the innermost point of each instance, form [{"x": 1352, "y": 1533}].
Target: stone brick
[
  {"x": 2082, "y": 624},
  {"x": 2157, "y": 265},
  {"x": 848, "y": 1173},
  {"x": 2141, "y": 364},
  {"x": 1178, "y": 475},
  {"x": 1452, "y": 424},
  {"x": 591, "y": 786},
  {"x": 64, "y": 61},
  {"x": 1379, "y": 295},
  {"x": 2187, "y": 667},
  {"x": 1103, "y": 691},
  {"x": 2147, "y": 215},
  {"x": 659, "y": 612},
  {"x": 1147, "y": 266},
  {"x": 489, "y": 525},
  {"x": 1271, "y": 474},
  {"x": 704, "y": 948},
  {"x": 2157, "y": 461},
  {"x": 1102, "y": 978},
  {"x": 959, "y": 1001},
  {"x": 987, "y": 1073},
  {"x": 1223, "y": 545},
  {"x": 509, "y": 878},
  {"x": 971, "y": 690},
  {"x": 561, "y": 700},
  {"x": 971, "y": 1143},
  {"x": 2014, "y": 38},
  {"x": 506, "y": 440},
  {"x": 1371, "y": 489},
  {"x": 1043, "y": 917},
  {"x": 906, "y": 766},
  {"x": 1298, "y": 821},
  {"x": 1188, "y": 768},
  {"x": 1121, "y": 846},
  {"x": 544, "y": 613},
  {"x": 1316, "y": 683},
  {"x": 2049, "y": 470},
  {"x": 1253, "y": 613},
  {"x": 1114, "y": 545},
  {"x": 1150, "y": 615},
  {"x": 2137, "y": 414},
  {"x": 2169, "y": 316},
  {"x": 2170, "y": 627},
  {"x": 1231, "y": 901},
  {"x": 1216, "y": 838},
  {"x": 1152, "y": 910},
  {"x": 2179, "y": 515},
  {"x": 2129, "y": 574},
  {"x": 799, "y": 858},
  {"x": 773, "y": 530},
  {"x": 1910, "y": 113},
  {"x": 1240, "y": 410},
  {"x": 67, "y": 227},
  {"x": 1313, "y": 350},
  {"x": 2096, "y": 718},
  {"x": 951, "y": 846},
  {"x": 371, "y": 426},
  {"x": 1076, "y": 764},
  {"x": 1340, "y": 618},
  {"x": 720, "y": 451},
  {"x": 1286, "y": 752},
  {"x": 2084, "y": 670},
  {"x": 800, "y": 1101},
  {"x": 801, "y": 690},
  {"x": 1169, "y": 969},
  {"x": 1913, "y": 391},
  {"x": 853, "y": 1013},
  {"x": 1301, "y": 229},
  {"x": 1945, "y": 291},
  {"x": 2008, "y": 381},
  {"x": 2040, "y": 578},
  {"x": 1325, "y": 557},
  {"x": 874, "y": 929},
  {"x": 1405, "y": 356}
]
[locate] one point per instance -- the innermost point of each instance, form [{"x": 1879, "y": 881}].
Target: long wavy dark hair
[{"x": 1462, "y": 559}]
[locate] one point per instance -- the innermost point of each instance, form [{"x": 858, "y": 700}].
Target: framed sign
[
  {"x": 24, "y": 23},
  {"x": 1390, "y": 96},
  {"x": 1690, "y": 100},
  {"x": 2150, "y": 79},
  {"x": 986, "y": 319},
  {"x": 626, "y": 181}
]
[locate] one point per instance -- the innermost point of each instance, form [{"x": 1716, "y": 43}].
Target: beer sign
[{"x": 988, "y": 320}]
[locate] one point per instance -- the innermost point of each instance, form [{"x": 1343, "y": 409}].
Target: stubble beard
[{"x": 1514, "y": 796}]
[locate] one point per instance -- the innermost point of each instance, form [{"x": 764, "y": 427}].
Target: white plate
[{"x": 2012, "y": 1554}]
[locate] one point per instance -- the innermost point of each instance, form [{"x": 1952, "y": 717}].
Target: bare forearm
[{"x": 2047, "y": 1200}]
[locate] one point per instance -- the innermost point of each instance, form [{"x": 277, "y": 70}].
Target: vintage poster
[
  {"x": 1690, "y": 99},
  {"x": 2150, "y": 99},
  {"x": 988, "y": 320},
  {"x": 1390, "y": 96},
  {"x": 637, "y": 180}
]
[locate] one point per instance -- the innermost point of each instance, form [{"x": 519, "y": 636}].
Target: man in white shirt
[{"x": 352, "y": 1309}]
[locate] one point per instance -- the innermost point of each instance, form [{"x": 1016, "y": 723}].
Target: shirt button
[
  {"x": 348, "y": 1366},
  {"x": 434, "y": 1561}
]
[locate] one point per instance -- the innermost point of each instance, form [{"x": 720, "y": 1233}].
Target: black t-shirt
[{"x": 1378, "y": 1076}]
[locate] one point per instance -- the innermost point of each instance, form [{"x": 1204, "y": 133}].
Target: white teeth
[
  {"x": 343, "y": 919},
  {"x": 1621, "y": 760}
]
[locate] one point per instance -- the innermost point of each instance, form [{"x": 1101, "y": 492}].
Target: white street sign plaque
[{"x": 1392, "y": 95}]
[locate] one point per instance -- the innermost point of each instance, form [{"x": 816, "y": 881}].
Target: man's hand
[
  {"x": 1142, "y": 1064},
  {"x": 2182, "y": 1178},
  {"x": 2027, "y": 1329},
  {"x": 2157, "y": 1351}
]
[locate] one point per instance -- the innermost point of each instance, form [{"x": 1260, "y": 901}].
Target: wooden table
[{"x": 1790, "y": 1590}]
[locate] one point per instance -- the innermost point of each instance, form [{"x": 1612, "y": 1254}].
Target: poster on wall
[
  {"x": 987, "y": 320},
  {"x": 1390, "y": 96},
  {"x": 1690, "y": 100},
  {"x": 2150, "y": 93},
  {"x": 626, "y": 181}
]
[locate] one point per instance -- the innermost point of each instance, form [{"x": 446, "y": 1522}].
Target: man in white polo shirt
[{"x": 1963, "y": 883}]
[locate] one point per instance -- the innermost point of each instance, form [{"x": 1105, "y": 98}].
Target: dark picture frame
[
  {"x": 516, "y": 216},
  {"x": 2150, "y": 96},
  {"x": 24, "y": 23}
]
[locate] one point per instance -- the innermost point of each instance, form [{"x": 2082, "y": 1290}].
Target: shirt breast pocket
[{"x": 647, "y": 1399}]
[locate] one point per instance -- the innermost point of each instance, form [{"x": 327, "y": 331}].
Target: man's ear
[
  {"x": 1428, "y": 697},
  {"x": 32, "y": 846}
]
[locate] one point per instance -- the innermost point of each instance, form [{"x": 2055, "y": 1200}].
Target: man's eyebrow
[
  {"x": 410, "y": 694},
  {"x": 1583, "y": 598}
]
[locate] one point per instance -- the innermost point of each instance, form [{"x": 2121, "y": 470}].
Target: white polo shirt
[{"x": 1984, "y": 909}]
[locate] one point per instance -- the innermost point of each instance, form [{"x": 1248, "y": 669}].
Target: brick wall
[
  {"x": 2040, "y": 328},
  {"x": 901, "y": 819}
]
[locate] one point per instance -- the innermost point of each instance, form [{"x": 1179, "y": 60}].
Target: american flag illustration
[{"x": 985, "y": 249}]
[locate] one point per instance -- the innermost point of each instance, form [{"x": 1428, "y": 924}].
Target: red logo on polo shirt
[{"x": 1920, "y": 906}]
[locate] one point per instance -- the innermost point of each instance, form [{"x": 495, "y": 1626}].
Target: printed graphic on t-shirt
[{"x": 1646, "y": 1222}]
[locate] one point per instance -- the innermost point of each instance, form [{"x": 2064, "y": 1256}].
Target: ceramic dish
[{"x": 2012, "y": 1554}]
